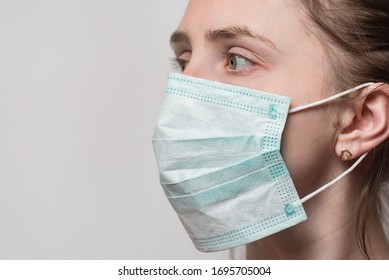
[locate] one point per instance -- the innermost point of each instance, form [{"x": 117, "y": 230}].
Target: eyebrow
[
  {"x": 226, "y": 33},
  {"x": 179, "y": 36},
  {"x": 234, "y": 32}
]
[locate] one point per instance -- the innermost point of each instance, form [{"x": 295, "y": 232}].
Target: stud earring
[{"x": 345, "y": 154}]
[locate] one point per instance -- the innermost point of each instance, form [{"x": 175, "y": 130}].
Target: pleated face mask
[{"x": 218, "y": 152}]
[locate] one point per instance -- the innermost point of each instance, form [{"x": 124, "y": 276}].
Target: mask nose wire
[{"x": 328, "y": 99}]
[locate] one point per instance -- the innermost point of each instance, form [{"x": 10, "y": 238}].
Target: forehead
[{"x": 279, "y": 20}]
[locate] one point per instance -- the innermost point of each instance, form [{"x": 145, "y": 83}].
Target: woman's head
[
  {"x": 263, "y": 45},
  {"x": 296, "y": 49}
]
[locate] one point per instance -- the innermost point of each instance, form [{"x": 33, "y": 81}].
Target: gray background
[{"x": 80, "y": 86}]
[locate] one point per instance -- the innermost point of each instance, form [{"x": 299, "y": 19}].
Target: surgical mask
[{"x": 218, "y": 151}]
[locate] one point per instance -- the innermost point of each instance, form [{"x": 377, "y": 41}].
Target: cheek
[{"x": 307, "y": 144}]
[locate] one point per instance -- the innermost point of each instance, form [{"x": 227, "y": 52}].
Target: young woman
[{"x": 307, "y": 51}]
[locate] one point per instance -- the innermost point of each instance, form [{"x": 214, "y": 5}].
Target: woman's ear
[{"x": 365, "y": 124}]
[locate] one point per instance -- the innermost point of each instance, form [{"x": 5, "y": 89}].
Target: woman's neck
[{"x": 308, "y": 241}]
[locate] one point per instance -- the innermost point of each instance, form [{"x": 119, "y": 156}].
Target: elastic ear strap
[
  {"x": 328, "y": 99},
  {"x": 309, "y": 196}
]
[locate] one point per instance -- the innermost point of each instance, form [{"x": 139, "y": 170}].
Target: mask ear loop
[
  {"x": 318, "y": 103},
  {"x": 309, "y": 196},
  {"x": 328, "y": 99}
]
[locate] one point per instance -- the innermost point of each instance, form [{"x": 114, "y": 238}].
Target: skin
[{"x": 266, "y": 45}]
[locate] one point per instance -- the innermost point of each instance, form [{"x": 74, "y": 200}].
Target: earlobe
[{"x": 369, "y": 125}]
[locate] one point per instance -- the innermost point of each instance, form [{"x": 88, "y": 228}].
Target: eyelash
[{"x": 179, "y": 64}]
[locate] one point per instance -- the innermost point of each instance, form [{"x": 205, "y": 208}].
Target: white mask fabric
[{"x": 218, "y": 152}]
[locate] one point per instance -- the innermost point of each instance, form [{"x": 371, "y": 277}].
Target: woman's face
[{"x": 265, "y": 45}]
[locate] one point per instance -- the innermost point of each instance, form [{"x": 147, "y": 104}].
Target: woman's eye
[
  {"x": 238, "y": 63},
  {"x": 182, "y": 60},
  {"x": 182, "y": 64}
]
